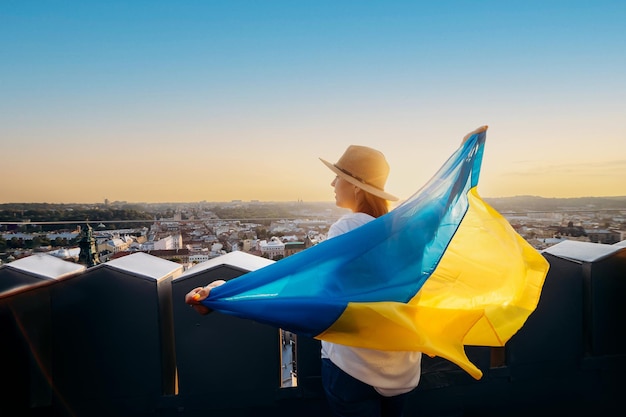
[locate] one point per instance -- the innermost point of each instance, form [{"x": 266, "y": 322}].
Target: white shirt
[{"x": 390, "y": 373}]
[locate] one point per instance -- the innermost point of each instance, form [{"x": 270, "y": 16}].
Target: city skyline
[{"x": 165, "y": 101}]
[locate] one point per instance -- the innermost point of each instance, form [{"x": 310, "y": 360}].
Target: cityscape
[
  {"x": 151, "y": 148},
  {"x": 192, "y": 233}
]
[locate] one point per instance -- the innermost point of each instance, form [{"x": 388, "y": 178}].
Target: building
[
  {"x": 165, "y": 243},
  {"x": 603, "y": 236},
  {"x": 294, "y": 247},
  {"x": 274, "y": 249}
]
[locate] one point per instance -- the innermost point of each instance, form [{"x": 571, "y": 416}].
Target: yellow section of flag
[{"x": 481, "y": 293}]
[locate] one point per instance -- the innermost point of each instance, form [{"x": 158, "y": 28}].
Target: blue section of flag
[{"x": 388, "y": 259}]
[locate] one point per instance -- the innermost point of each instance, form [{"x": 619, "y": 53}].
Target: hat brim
[{"x": 365, "y": 187}]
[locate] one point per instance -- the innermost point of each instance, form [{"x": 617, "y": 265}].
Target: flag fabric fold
[{"x": 440, "y": 271}]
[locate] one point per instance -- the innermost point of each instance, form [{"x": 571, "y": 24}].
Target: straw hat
[{"x": 364, "y": 167}]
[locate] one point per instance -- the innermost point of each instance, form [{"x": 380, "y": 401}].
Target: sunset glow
[{"x": 188, "y": 101}]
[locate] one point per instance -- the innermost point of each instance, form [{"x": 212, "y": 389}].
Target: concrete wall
[{"x": 118, "y": 339}]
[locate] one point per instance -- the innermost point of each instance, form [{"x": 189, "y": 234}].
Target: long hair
[{"x": 370, "y": 204}]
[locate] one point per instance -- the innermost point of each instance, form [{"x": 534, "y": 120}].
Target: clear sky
[{"x": 175, "y": 101}]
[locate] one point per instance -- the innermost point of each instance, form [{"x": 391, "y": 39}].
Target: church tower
[{"x": 88, "y": 255}]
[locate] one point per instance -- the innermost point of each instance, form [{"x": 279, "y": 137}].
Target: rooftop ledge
[{"x": 118, "y": 339}]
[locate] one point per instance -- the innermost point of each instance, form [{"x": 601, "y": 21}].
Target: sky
[{"x": 185, "y": 101}]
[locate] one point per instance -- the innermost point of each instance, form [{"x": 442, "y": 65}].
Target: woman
[{"x": 357, "y": 381}]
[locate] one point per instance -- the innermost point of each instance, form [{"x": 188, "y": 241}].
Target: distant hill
[
  {"x": 534, "y": 203},
  {"x": 240, "y": 210}
]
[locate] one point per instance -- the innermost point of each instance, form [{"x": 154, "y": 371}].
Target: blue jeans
[{"x": 349, "y": 397}]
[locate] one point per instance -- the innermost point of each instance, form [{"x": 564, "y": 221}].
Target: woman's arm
[{"x": 198, "y": 294}]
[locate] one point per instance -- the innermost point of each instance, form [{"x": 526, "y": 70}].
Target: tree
[
  {"x": 58, "y": 242},
  {"x": 33, "y": 243},
  {"x": 261, "y": 233}
]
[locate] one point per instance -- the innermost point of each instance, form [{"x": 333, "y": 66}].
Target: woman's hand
[
  {"x": 198, "y": 294},
  {"x": 479, "y": 130}
]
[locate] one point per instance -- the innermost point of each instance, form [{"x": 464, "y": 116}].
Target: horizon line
[{"x": 279, "y": 201}]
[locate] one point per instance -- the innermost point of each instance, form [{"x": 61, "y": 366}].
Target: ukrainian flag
[{"x": 441, "y": 271}]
